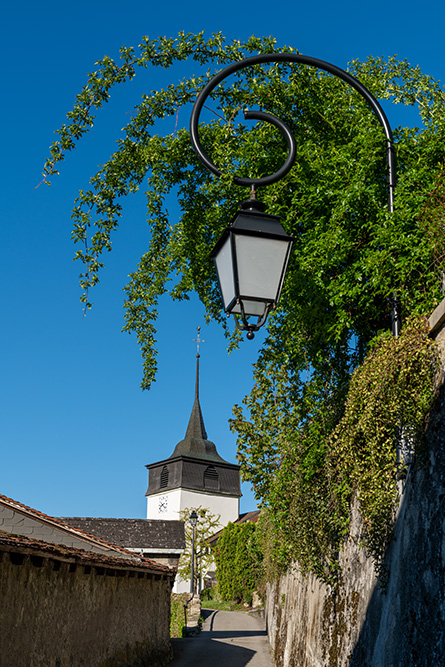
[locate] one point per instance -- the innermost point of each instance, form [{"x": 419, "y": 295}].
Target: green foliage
[
  {"x": 208, "y": 524},
  {"x": 343, "y": 452},
  {"x": 209, "y": 593},
  {"x": 239, "y": 562},
  {"x": 349, "y": 257},
  {"x": 348, "y": 254},
  {"x": 177, "y": 616},
  {"x": 390, "y": 397},
  {"x": 224, "y": 605}
]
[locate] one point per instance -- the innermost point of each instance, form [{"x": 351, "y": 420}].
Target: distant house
[
  {"x": 247, "y": 517},
  {"x": 20, "y": 519},
  {"x": 161, "y": 541}
]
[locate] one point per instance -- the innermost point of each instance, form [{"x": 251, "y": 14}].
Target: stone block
[{"x": 437, "y": 318}]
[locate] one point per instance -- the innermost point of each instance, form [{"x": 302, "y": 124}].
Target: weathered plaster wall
[
  {"x": 311, "y": 625},
  {"x": 55, "y": 612}
]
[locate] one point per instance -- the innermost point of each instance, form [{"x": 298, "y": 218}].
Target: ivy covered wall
[{"x": 394, "y": 616}]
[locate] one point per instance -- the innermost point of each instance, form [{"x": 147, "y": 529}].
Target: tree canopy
[{"x": 349, "y": 254}]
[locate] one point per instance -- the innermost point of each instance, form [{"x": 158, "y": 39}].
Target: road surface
[{"x": 227, "y": 639}]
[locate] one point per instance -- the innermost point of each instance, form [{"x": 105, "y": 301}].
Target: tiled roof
[
  {"x": 64, "y": 527},
  {"x": 23, "y": 544},
  {"x": 252, "y": 517},
  {"x": 247, "y": 517},
  {"x": 133, "y": 533}
]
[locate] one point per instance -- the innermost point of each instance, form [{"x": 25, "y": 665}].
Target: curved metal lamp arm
[
  {"x": 304, "y": 60},
  {"x": 249, "y": 326},
  {"x": 249, "y": 182},
  {"x": 289, "y": 58}
]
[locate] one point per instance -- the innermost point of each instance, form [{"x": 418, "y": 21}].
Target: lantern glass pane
[
  {"x": 250, "y": 308},
  {"x": 260, "y": 266},
  {"x": 224, "y": 266}
]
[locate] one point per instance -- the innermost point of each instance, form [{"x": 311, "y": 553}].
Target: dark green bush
[
  {"x": 239, "y": 563},
  {"x": 177, "y": 617},
  {"x": 209, "y": 593}
]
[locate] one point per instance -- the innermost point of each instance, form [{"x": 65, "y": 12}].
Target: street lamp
[
  {"x": 251, "y": 259},
  {"x": 193, "y": 521},
  {"x": 252, "y": 255}
]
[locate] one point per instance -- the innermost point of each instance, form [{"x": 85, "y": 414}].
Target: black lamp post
[
  {"x": 193, "y": 521},
  {"x": 252, "y": 255}
]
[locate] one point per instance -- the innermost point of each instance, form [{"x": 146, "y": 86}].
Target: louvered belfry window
[
  {"x": 211, "y": 478},
  {"x": 164, "y": 478}
]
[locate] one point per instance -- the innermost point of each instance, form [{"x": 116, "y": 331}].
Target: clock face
[{"x": 163, "y": 502}]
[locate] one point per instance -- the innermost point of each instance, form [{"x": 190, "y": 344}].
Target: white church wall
[
  {"x": 226, "y": 506},
  {"x": 164, "y": 506},
  {"x": 167, "y": 506}
]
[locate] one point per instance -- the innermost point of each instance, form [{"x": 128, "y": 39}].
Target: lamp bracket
[
  {"x": 260, "y": 115},
  {"x": 284, "y": 129},
  {"x": 249, "y": 326}
]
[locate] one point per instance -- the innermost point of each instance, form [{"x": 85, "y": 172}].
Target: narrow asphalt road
[{"x": 227, "y": 639}]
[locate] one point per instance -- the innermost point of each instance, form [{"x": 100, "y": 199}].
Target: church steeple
[
  {"x": 195, "y": 474},
  {"x": 195, "y": 443},
  {"x": 196, "y": 428}
]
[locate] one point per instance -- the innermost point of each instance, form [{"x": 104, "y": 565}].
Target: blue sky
[{"x": 75, "y": 429}]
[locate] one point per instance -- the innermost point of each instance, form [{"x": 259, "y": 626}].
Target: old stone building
[
  {"x": 71, "y": 598},
  {"x": 20, "y": 519},
  {"x": 61, "y": 606}
]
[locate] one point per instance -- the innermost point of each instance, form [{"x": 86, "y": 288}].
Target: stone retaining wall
[{"x": 357, "y": 625}]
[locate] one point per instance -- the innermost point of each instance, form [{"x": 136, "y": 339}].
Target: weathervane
[{"x": 198, "y": 340}]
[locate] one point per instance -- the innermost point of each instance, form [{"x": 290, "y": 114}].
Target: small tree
[{"x": 208, "y": 524}]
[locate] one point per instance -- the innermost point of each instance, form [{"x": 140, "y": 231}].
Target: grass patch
[{"x": 223, "y": 605}]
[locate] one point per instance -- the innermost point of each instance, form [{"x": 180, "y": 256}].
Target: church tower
[{"x": 194, "y": 475}]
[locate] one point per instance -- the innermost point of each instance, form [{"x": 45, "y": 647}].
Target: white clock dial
[{"x": 163, "y": 502}]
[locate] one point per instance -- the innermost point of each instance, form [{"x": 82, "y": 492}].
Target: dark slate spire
[
  {"x": 195, "y": 443},
  {"x": 196, "y": 428}
]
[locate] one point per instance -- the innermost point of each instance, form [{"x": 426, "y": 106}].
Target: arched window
[
  {"x": 164, "y": 478},
  {"x": 211, "y": 478}
]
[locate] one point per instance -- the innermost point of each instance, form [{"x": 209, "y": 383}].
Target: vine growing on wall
[
  {"x": 388, "y": 402},
  {"x": 347, "y": 452},
  {"x": 239, "y": 562}
]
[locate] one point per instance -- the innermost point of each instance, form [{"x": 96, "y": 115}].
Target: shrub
[{"x": 177, "y": 617}]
